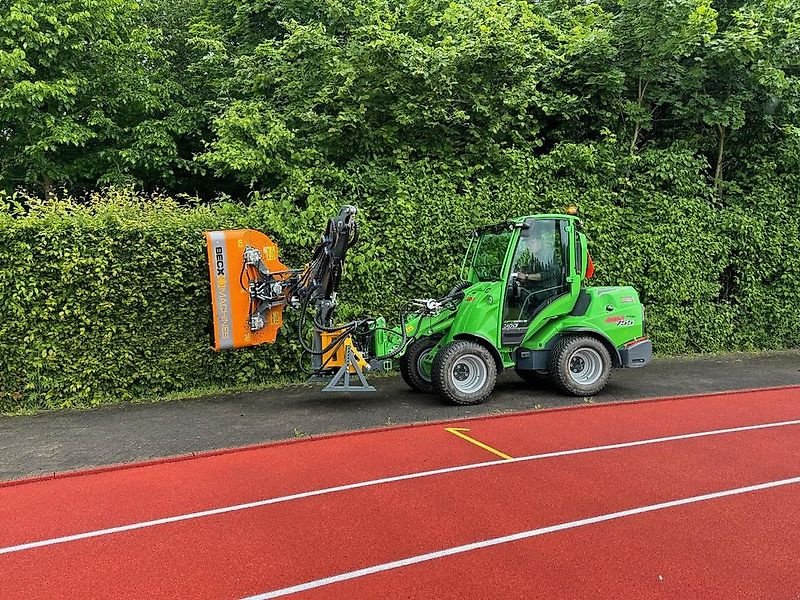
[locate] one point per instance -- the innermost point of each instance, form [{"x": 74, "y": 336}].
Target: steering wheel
[
  {"x": 516, "y": 287},
  {"x": 533, "y": 293}
]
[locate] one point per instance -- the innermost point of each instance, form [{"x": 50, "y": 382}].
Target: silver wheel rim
[
  {"x": 426, "y": 377},
  {"x": 585, "y": 366},
  {"x": 469, "y": 374}
]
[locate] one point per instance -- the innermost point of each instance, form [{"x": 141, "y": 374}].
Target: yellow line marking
[{"x": 458, "y": 431}]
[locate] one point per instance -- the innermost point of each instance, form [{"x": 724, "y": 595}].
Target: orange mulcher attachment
[
  {"x": 235, "y": 259},
  {"x": 250, "y": 287}
]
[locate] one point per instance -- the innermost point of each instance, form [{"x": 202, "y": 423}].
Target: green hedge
[{"x": 108, "y": 300}]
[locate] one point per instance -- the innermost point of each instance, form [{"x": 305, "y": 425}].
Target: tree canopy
[{"x": 203, "y": 96}]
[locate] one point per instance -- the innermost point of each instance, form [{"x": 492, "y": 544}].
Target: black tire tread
[
  {"x": 559, "y": 367},
  {"x": 408, "y": 364},
  {"x": 441, "y": 369}
]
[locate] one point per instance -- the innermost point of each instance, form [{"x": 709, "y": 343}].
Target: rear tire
[
  {"x": 411, "y": 364},
  {"x": 464, "y": 372},
  {"x": 580, "y": 365}
]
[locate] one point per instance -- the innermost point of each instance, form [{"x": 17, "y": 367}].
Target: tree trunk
[
  {"x": 638, "y": 127},
  {"x": 47, "y": 186},
  {"x": 635, "y": 137},
  {"x": 720, "y": 154}
]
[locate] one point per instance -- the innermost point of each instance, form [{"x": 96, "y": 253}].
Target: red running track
[{"x": 739, "y": 546}]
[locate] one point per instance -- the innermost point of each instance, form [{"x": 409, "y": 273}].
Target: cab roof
[{"x": 516, "y": 221}]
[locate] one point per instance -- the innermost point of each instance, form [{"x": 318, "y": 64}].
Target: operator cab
[
  {"x": 532, "y": 257},
  {"x": 538, "y": 274}
]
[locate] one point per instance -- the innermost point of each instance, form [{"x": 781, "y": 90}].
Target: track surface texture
[
  {"x": 695, "y": 497},
  {"x": 68, "y": 440}
]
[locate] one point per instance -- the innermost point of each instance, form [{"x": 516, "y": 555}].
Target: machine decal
[
  {"x": 514, "y": 324},
  {"x": 621, "y": 321},
  {"x": 221, "y": 297}
]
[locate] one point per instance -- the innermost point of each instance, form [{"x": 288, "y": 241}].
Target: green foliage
[
  {"x": 166, "y": 93},
  {"x": 377, "y": 78},
  {"x": 763, "y": 273},
  {"x": 659, "y": 43},
  {"x": 86, "y": 96}
]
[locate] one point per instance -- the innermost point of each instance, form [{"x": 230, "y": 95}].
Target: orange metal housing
[
  {"x": 336, "y": 357},
  {"x": 230, "y": 300}
]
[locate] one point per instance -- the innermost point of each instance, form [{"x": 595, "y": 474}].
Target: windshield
[{"x": 487, "y": 263}]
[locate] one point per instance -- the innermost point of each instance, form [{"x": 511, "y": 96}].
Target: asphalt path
[{"x": 68, "y": 440}]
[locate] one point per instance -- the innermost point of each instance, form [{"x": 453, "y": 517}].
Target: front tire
[
  {"x": 411, "y": 368},
  {"x": 580, "y": 365},
  {"x": 464, "y": 372}
]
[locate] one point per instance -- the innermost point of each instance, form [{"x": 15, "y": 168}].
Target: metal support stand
[{"x": 343, "y": 376}]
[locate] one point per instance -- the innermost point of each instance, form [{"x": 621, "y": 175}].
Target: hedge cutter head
[{"x": 247, "y": 288}]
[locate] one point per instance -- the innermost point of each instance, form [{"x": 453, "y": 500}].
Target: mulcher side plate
[{"x": 230, "y": 300}]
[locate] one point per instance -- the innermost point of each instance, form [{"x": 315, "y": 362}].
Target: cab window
[{"x": 539, "y": 269}]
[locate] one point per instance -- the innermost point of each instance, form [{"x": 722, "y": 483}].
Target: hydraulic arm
[
  {"x": 316, "y": 283},
  {"x": 265, "y": 286}
]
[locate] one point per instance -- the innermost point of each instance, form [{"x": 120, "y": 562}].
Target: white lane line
[
  {"x": 374, "y": 482},
  {"x": 413, "y": 560}
]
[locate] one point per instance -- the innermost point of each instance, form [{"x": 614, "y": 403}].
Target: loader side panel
[
  {"x": 613, "y": 312},
  {"x": 479, "y": 314}
]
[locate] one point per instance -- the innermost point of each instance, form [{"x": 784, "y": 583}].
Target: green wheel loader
[{"x": 523, "y": 303}]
